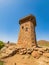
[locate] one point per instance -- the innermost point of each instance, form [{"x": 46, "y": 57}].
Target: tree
[{"x": 1, "y": 44}]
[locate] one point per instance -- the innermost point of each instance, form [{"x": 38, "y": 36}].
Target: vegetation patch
[
  {"x": 1, "y": 62},
  {"x": 1, "y": 44}
]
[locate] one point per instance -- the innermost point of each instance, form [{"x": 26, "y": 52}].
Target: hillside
[{"x": 43, "y": 43}]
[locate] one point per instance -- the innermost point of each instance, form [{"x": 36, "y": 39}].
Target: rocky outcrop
[{"x": 36, "y": 52}]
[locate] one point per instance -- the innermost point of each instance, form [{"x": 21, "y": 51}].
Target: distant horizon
[
  {"x": 11, "y": 11},
  {"x": 17, "y": 41}
]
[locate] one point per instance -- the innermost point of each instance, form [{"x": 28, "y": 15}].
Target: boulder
[
  {"x": 22, "y": 51},
  {"x": 41, "y": 50},
  {"x": 36, "y": 49},
  {"x": 25, "y": 52},
  {"x": 29, "y": 51},
  {"x": 45, "y": 49},
  {"x": 3, "y": 49},
  {"x": 35, "y": 54},
  {"x": 40, "y": 53},
  {"x": 8, "y": 53},
  {"x": 46, "y": 55}
]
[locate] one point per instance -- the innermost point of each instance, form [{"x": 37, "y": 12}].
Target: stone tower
[{"x": 27, "y": 35}]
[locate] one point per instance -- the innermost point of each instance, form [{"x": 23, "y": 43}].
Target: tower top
[{"x": 28, "y": 18}]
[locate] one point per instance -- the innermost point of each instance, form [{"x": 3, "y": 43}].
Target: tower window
[
  {"x": 26, "y": 29},
  {"x": 22, "y": 27}
]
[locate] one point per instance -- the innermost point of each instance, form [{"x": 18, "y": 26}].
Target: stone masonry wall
[{"x": 27, "y": 34}]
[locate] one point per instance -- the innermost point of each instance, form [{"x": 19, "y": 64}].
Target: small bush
[
  {"x": 1, "y": 62},
  {"x": 1, "y": 44}
]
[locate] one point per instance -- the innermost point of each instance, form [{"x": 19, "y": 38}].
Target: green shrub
[
  {"x": 1, "y": 44},
  {"x": 1, "y": 62}
]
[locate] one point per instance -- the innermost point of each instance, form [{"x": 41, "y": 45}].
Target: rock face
[{"x": 27, "y": 35}]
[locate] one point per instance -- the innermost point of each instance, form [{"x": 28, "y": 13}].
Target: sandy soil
[{"x": 26, "y": 60}]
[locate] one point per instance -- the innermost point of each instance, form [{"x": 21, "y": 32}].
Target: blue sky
[{"x": 13, "y": 10}]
